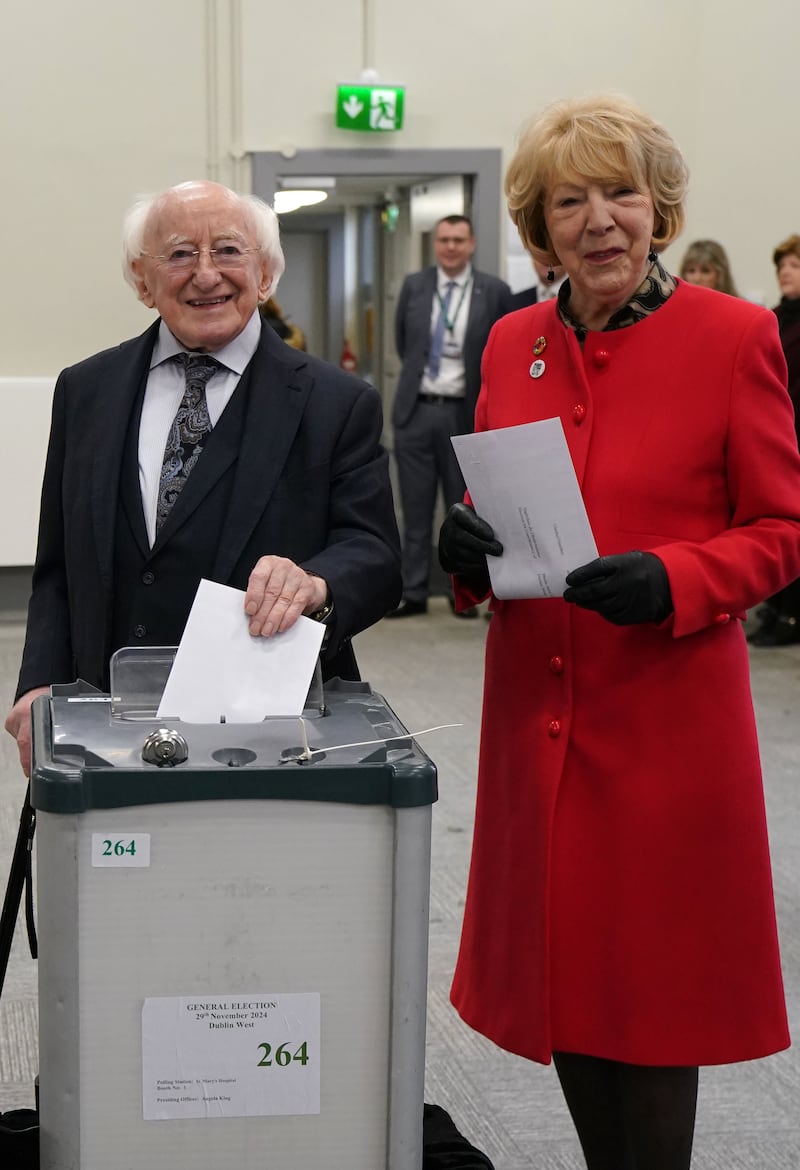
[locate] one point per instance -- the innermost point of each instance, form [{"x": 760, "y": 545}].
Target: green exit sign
[{"x": 369, "y": 107}]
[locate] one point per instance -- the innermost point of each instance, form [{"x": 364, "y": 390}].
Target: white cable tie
[{"x": 308, "y": 751}]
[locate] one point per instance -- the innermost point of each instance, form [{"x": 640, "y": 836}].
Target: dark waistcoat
[{"x": 154, "y": 588}]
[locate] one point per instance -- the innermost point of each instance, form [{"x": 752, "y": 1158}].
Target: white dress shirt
[
  {"x": 451, "y": 379},
  {"x": 162, "y": 397}
]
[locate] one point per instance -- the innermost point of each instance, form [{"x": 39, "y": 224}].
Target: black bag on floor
[
  {"x": 19, "y": 1139},
  {"x": 19, "y": 1128},
  {"x": 444, "y": 1148}
]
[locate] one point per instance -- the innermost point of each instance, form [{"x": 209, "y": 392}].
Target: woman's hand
[
  {"x": 465, "y": 541},
  {"x": 626, "y": 589}
]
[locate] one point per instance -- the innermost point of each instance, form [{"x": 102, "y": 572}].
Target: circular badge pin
[
  {"x": 539, "y": 346},
  {"x": 537, "y": 368}
]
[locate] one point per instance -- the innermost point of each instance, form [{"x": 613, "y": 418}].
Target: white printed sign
[
  {"x": 230, "y": 1056},
  {"x": 120, "y": 850}
]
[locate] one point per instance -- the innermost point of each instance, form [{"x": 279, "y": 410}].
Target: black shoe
[
  {"x": 408, "y": 608},
  {"x": 784, "y": 631}
]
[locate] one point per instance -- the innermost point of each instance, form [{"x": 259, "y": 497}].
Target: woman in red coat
[{"x": 620, "y": 913}]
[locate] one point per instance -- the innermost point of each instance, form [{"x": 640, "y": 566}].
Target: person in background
[
  {"x": 274, "y": 315},
  {"x": 620, "y": 917},
  {"x": 546, "y": 285},
  {"x": 706, "y": 263},
  {"x": 205, "y": 448},
  {"x": 780, "y": 617},
  {"x": 443, "y": 318}
]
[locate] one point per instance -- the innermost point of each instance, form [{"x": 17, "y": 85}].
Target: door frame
[{"x": 484, "y": 166}]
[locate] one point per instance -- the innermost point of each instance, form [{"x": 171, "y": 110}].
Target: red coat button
[
  {"x": 601, "y": 358},
  {"x": 556, "y": 664},
  {"x": 554, "y": 728},
  {"x": 722, "y": 619},
  {"x": 578, "y": 414}
]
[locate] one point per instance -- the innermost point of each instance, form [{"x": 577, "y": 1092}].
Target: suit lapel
[
  {"x": 114, "y": 400},
  {"x": 279, "y": 390},
  {"x": 477, "y": 303}
]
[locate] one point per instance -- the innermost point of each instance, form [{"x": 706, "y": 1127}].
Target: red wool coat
[{"x": 620, "y": 899}]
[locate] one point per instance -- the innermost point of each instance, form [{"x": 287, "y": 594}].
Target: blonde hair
[
  {"x": 789, "y": 247},
  {"x": 710, "y": 254},
  {"x": 600, "y": 138}
]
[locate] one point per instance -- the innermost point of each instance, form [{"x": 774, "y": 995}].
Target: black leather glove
[
  {"x": 464, "y": 543},
  {"x": 625, "y": 589}
]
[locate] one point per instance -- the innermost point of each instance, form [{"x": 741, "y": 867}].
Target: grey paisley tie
[{"x": 187, "y": 431}]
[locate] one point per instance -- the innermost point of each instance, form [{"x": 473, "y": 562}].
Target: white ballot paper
[
  {"x": 230, "y": 1056},
  {"x": 522, "y": 482},
  {"x": 221, "y": 669}
]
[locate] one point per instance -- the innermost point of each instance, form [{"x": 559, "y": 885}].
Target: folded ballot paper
[
  {"x": 220, "y": 669},
  {"x": 522, "y": 482}
]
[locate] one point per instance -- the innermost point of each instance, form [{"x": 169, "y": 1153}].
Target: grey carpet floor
[{"x": 430, "y": 671}]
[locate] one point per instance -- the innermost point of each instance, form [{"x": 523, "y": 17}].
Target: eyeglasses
[{"x": 183, "y": 259}]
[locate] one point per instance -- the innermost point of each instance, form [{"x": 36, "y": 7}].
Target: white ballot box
[{"x": 233, "y": 945}]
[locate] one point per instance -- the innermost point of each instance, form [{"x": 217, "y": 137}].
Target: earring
[
  {"x": 550, "y": 275},
  {"x": 652, "y": 256}
]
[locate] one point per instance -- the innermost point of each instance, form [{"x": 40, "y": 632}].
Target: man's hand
[
  {"x": 278, "y": 592},
  {"x": 626, "y": 589},
  {"x": 465, "y": 541},
  {"x": 18, "y": 724}
]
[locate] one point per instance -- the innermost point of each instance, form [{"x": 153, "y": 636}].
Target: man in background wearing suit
[
  {"x": 206, "y": 447},
  {"x": 547, "y": 282},
  {"x": 444, "y": 315}
]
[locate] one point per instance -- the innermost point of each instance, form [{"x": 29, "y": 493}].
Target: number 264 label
[{"x": 120, "y": 850}]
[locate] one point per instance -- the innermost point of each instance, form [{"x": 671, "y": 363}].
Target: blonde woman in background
[{"x": 706, "y": 263}]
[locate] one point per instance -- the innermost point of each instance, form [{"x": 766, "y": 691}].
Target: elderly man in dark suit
[
  {"x": 444, "y": 315},
  {"x": 206, "y": 447}
]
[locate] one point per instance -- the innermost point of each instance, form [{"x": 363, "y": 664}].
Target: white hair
[{"x": 263, "y": 218}]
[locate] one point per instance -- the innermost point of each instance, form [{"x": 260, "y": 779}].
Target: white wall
[{"x": 103, "y": 101}]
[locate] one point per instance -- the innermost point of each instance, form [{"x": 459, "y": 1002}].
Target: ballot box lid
[{"x": 355, "y": 750}]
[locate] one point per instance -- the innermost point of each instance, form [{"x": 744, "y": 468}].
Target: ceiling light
[
  {"x": 296, "y": 182},
  {"x": 286, "y": 201}
]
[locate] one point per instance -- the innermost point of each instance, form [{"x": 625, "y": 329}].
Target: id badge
[{"x": 451, "y": 349}]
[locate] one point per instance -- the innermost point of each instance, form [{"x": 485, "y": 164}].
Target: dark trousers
[
  {"x": 787, "y": 602},
  {"x": 425, "y": 459}
]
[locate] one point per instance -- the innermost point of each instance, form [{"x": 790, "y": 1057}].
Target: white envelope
[
  {"x": 222, "y": 670},
  {"x": 522, "y": 482}
]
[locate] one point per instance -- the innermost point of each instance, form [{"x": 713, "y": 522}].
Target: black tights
[{"x": 630, "y": 1116}]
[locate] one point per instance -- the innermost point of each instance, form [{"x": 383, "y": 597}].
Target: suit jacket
[
  {"x": 491, "y": 298},
  {"x": 309, "y": 481}
]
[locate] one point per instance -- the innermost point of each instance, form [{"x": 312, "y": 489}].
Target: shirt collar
[
  {"x": 234, "y": 356},
  {"x": 654, "y": 291},
  {"x": 463, "y": 278}
]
